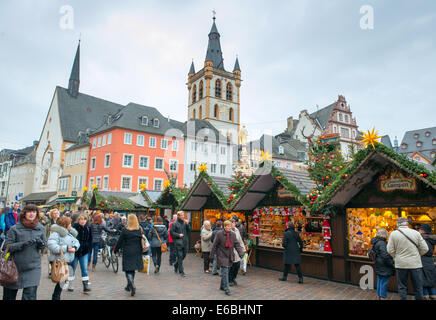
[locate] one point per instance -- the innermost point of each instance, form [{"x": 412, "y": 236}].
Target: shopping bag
[
  {"x": 59, "y": 269},
  {"x": 244, "y": 262},
  {"x": 146, "y": 264}
]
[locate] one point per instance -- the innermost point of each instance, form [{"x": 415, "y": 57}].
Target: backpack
[{"x": 372, "y": 254}]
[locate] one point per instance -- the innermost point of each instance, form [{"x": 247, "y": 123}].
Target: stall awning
[
  {"x": 38, "y": 196},
  {"x": 66, "y": 200}
]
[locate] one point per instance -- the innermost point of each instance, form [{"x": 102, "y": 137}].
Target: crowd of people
[{"x": 77, "y": 237}]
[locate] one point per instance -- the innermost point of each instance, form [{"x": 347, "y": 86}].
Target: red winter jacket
[{"x": 170, "y": 239}]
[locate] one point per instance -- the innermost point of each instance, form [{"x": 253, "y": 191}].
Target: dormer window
[
  {"x": 281, "y": 150},
  {"x": 156, "y": 123},
  {"x": 144, "y": 121},
  {"x": 427, "y": 133},
  {"x": 403, "y": 146},
  {"x": 419, "y": 144},
  {"x": 434, "y": 142},
  {"x": 416, "y": 135}
]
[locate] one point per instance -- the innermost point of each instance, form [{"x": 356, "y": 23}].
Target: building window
[
  {"x": 204, "y": 148},
  {"x": 99, "y": 142},
  {"x": 143, "y": 162},
  {"x": 107, "y": 161},
  {"x": 213, "y": 168},
  {"x": 128, "y": 161},
  {"x": 83, "y": 158},
  {"x": 105, "y": 183},
  {"x": 156, "y": 123},
  {"x": 91, "y": 183},
  {"x": 216, "y": 112},
  {"x": 75, "y": 182},
  {"x": 223, "y": 150},
  {"x": 67, "y": 160},
  {"x": 346, "y": 118},
  {"x": 288, "y": 165},
  {"x": 200, "y": 90},
  {"x": 416, "y": 135},
  {"x": 127, "y": 138},
  {"x": 175, "y": 145},
  {"x": 142, "y": 180},
  {"x": 94, "y": 143},
  {"x": 109, "y": 138},
  {"x": 434, "y": 142},
  {"x": 140, "y": 140},
  {"x": 158, "y": 164},
  {"x": 214, "y": 148},
  {"x": 164, "y": 144},
  {"x": 432, "y": 155},
  {"x": 404, "y": 145},
  {"x": 335, "y": 130},
  {"x": 126, "y": 183},
  {"x": 174, "y": 164},
  {"x": 152, "y": 142},
  {"x": 93, "y": 161},
  {"x": 281, "y": 150},
  {"x": 193, "y": 114},
  {"x": 419, "y": 144},
  {"x": 103, "y": 143},
  {"x": 218, "y": 88},
  {"x": 77, "y": 157},
  {"x": 158, "y": 183},
  {"x": 144, "y": 121},
  {"x": 194, "y": 94},
  {"x": 80, "y": 182},
  {"x": 229, "y": 92},
  {"x": 340, "y": 117},
  {"x": 345, "y": 132},
  {"x": 231, "y": 114},
  {"x": 98, "y": 182},
  {"x": 194, "y": 146},
  {"x": 223, "y": 169},
  {"x": 193, "y": 166}
]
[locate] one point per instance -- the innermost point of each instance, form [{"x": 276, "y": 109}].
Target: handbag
[
  {"x": 8, "y": 268},
  {"x": 163, "y": 246},
  {"x": 59, "y": 269},
  {"x": 145, "y": 264},
  {"x": 144, "y": 242}
]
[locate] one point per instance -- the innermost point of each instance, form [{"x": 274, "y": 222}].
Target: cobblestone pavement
[{"x": 257, "y": 284}]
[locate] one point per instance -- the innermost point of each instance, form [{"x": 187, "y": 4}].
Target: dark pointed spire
[
  {"x": 74, "y": 82},
  {"x": 237, "y": 68},
  {"x": 214, "y": 52},
  {"x": 192, "y": 69}
]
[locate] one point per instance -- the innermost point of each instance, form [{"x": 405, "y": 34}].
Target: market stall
[
  {"x": 272, "y": 198},
  {"x": 378, "y": 187}
]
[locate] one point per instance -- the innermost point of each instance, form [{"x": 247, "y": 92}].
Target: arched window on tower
[
  {"x": 200, "y": 113},
  {"x": 200, "y": 90},
  {"x": 218, "y": 88},
  {"x": 194, "y": 94},
  {"x": 193, "y": 114},
  {"x": 216, "y": 112},
  {"x": 231, "y": 114},
  {"x": 229, "y": 92}
]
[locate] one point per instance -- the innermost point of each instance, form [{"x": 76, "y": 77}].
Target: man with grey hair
[{"x": 407, "y": 246}]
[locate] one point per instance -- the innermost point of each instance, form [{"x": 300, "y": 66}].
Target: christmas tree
[
  {"x": 240, "y": 181},
  {"x": 325, "y": 162}
]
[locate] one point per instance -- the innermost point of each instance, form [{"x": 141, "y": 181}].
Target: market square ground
[{"x": 257, "y": 284}]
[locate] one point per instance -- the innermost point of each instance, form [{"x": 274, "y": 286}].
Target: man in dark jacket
[
  {"x": 179, "y": 232},
  {"x": 218, "y": 228},
  {"x": 223, "y": 246},
  {"x": 11, "y": 217},
  {"x": 240, "y": 227},
  {"x": 171, "y": 243},
  {"x": 293, "y": 247},
  {"x": 428, "y": 267}
]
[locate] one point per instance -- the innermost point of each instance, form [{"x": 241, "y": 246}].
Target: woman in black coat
[
  {"x": 384, "y": 264},
  {"x": 157, "y": 235},
  {"x": 293, "y": 247},
  {"x": 84, "y": 235},
  {"x": 428, "y": 267},
  {"x": 130, "y": 242}
]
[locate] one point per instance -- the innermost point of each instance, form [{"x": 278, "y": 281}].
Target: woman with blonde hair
[
  {"x": 384, "y": 264},
  {"x": 130, "y": 243}
]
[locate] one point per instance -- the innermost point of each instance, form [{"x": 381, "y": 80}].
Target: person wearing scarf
[
  {"x": 25, "y": 240},
  {"x": 223, "y": 245}
]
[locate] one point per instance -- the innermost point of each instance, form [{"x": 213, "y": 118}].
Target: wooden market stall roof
[
  {"x": 204, "y": 187},
  {"x": 297, "y": 182},
  {"x": 366, "y": 165},
  {"x": 113, "y": 200}
]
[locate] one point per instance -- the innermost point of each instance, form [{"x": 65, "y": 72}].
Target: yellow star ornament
[
  {"x": 94, "y": 186},
  {"x": 166, "y": 184},
  {"x": 265, "y": 156},
  {"x": 142, "y": 186},
  {"x": 370, "y": 138},
  {"x": 202, "y": 167}
]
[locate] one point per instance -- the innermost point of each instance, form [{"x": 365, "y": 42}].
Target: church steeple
[
  {"x": 236, "y": 68},
  {"x": 74, "y": 82},
  {"x": 192, "y": 69},
  {"x": 214, "y": 52}
]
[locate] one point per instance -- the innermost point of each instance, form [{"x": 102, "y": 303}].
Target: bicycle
[{"x": 108, "y": 256}]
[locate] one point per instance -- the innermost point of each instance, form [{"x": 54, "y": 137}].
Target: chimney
[
  {"x": 290, "y": 125},
  {"x": 395, "y": 142}
]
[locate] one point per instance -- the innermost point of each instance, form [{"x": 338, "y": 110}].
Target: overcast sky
[{"x": 293, "y": 55}]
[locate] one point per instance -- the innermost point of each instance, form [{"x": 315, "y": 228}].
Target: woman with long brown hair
[
  {"x": 97, "y": 228},
  {"x": 130, "y": 243},
  {"x": 26, "y": 239}
]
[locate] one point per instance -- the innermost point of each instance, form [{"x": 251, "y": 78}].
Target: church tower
[
  {"x": 74, "y": 82},
  {"x": 214, "y": 93}
]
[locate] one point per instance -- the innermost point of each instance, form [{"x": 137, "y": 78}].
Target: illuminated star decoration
[
  {"x": 202, "y": 167},
  {"x": 265, "y": 156},
  {"x": 370, "y": 138},
  {"x": 166, "y": 184},
  {"x": 142, "y": 186},
  {"x": 85, "y": 189},
  {"x": 94, "y": 186}
]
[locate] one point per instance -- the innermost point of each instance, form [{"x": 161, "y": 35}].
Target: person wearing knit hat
[
  {"x": 407, "y": 246},
  {"x": 428, "y": 268}
]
